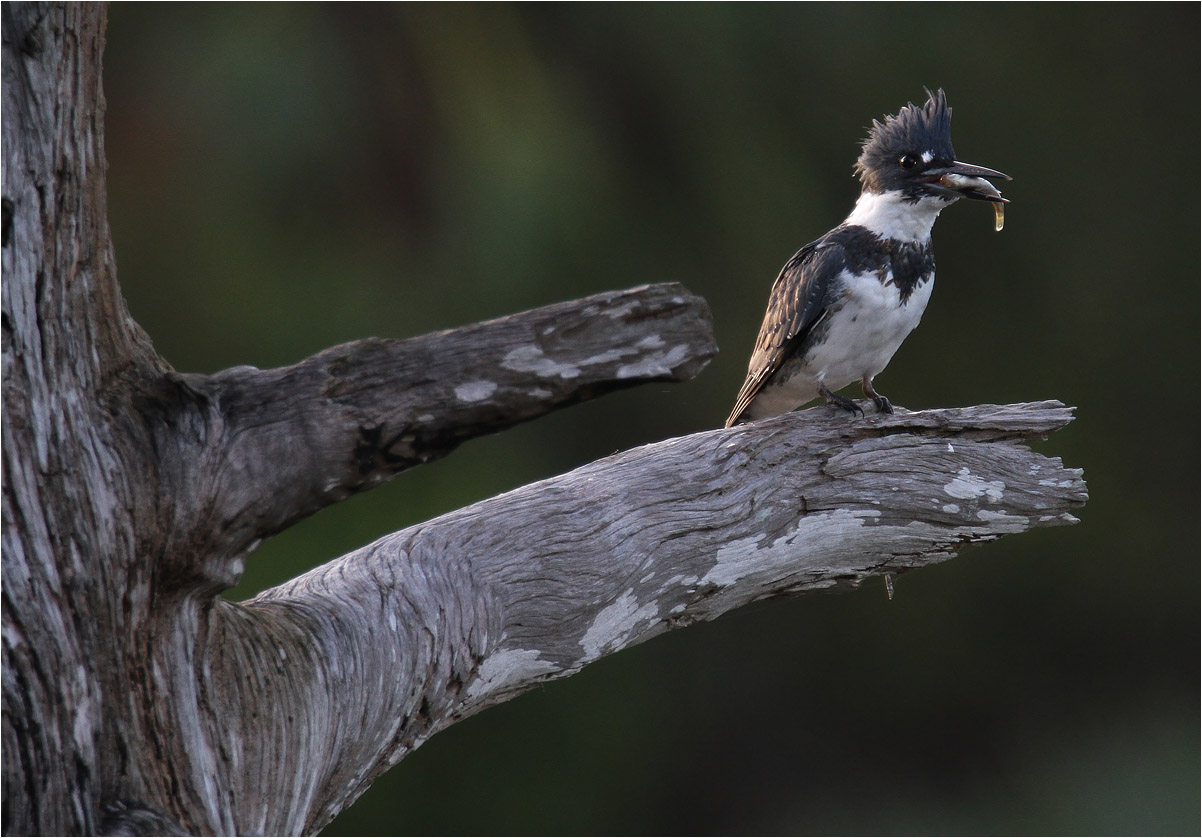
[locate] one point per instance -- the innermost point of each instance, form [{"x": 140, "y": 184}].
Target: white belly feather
[
  {"x": 865, "y": 332},
  {"x": 860, "y": 339}
]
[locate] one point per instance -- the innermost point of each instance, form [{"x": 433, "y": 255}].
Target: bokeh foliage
[{"x": 286, "y": 177}]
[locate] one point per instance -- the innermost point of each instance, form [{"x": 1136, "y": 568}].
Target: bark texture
[
  {"x": 137, "y": 701},
  {"x": 474, "y": 607}
]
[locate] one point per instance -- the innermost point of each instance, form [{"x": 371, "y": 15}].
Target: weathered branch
[
  {"x": 443, "y": 619},
  {"x": 253, "y": 451}
]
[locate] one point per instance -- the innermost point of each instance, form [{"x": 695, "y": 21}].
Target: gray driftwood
[{"x": 137, "y": 701}]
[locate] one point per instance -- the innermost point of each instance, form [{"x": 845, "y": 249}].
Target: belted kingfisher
[{"x": 843, "y": 304}]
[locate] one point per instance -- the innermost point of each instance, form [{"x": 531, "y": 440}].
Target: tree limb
[
  {"x": 440, "y": 620},
  {"x": 254, "y": 451}
]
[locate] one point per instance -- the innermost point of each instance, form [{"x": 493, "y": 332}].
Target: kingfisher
[{"x": 842, "y": 306}]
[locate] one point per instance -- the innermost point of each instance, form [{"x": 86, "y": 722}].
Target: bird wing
[{"x": 799, "y": 300}]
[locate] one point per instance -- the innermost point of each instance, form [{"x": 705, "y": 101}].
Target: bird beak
[{"x": 968, "y": 181}]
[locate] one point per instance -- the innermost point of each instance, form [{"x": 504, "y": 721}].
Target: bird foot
[
  {"x": 843, "y": 403},
  {"x": 882, "y": 403}
]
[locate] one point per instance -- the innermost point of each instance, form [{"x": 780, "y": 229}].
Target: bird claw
[
  {"x": 844, "y": 403},
  {"x": 883, "y": 405}
]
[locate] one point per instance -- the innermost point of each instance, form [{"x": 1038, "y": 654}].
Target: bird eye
[{"x": 908, "y": 161}]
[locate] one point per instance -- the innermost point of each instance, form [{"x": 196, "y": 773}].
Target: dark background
[{"x": 288, "y": 177}]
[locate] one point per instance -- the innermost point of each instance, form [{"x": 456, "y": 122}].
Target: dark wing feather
[{"x": 798, "y": 301}]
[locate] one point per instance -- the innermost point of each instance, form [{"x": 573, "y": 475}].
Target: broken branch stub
[{"x": 270, "y": 447}]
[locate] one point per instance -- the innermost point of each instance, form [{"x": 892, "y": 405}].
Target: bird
[{"x": 842, "y": 306}]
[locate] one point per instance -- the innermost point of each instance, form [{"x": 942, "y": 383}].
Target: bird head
[{"x": 911, "y": 153}]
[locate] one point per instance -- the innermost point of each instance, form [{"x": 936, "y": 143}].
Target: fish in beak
[{"x": 968, "y": 181}]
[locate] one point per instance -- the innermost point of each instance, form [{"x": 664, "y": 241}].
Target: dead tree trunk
[{"x": 136, "y": 701}]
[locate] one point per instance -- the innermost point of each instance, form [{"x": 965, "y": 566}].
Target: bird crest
[{"x": 912, "y": 130}]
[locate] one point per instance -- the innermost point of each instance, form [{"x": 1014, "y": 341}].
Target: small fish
[{"x": 981, "y": 190}]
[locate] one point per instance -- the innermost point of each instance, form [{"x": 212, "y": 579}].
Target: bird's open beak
[{"x": 968, "y": 181}]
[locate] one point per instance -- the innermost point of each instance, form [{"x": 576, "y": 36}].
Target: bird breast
[{"x": 865, "y": 327}]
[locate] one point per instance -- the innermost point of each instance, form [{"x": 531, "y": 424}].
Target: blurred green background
[{"x": 287, "y": 177}]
